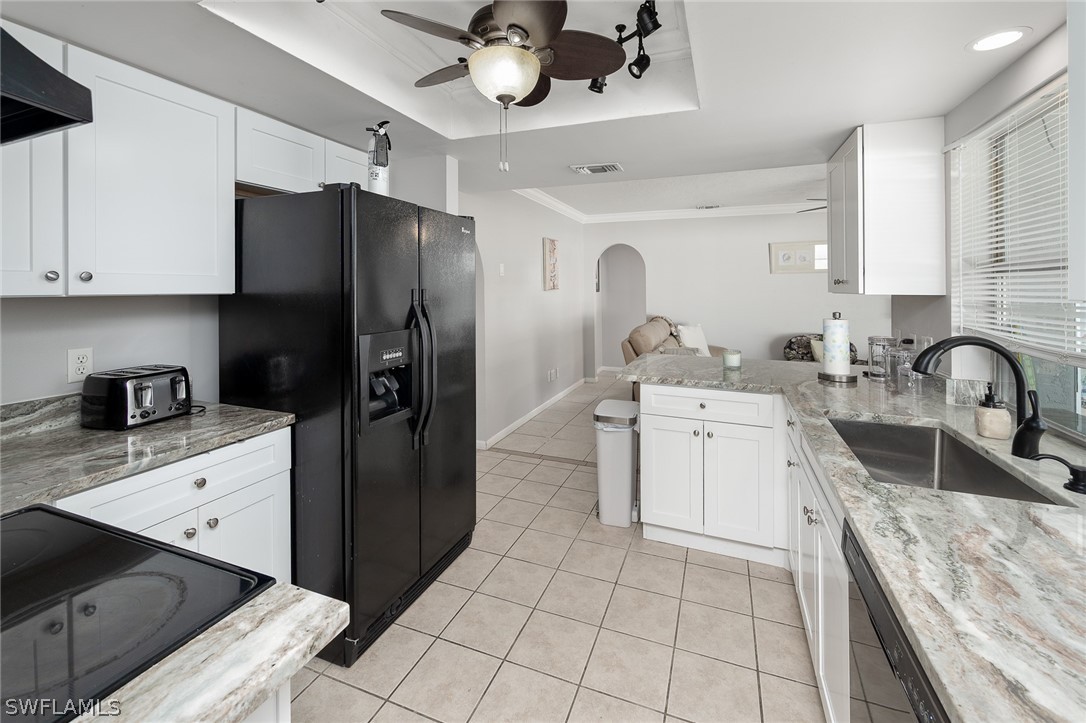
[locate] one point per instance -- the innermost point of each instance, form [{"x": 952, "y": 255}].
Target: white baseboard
[
  {"x": 480, "y": 444},
  {"x": 744, "y": 551}
]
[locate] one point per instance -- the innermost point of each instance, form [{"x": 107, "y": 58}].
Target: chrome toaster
[{"x": 131, "y": 397}]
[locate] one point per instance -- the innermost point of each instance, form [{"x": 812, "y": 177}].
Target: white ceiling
[{"x": 768, "y": 85}]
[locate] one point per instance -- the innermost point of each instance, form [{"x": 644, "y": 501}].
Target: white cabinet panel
[
  {"x": 32, "y": 242},
  {"x": 150, "y": 186},
  {"x": 179, "y": 531},
  {"x": 844, "y": 212},
  {"x": 245, "y": 527},
  {"x": 833, "y": 663},
  {"x": 275, "y": 155},
  {"x": 708, "y": 404},
  {"x": 671, "y": 472},
  {"x": 739, "y": 483},
  {"x": 344, "y": 164}
]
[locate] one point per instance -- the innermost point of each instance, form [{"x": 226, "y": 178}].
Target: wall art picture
[
  {"x": 797, "y": 257},
  {"x": 550, "y": 264}
]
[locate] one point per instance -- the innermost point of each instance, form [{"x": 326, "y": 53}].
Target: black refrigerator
[{"x": 356, "y": 312}]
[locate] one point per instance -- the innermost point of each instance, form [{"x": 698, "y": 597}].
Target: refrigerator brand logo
[{"x": 464, "y": 230}]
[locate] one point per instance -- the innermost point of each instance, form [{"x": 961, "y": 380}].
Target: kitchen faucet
[{"x": 1027, "y": 439}]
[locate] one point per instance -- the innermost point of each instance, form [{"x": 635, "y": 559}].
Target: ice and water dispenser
[{"x": 387, "y": 361}]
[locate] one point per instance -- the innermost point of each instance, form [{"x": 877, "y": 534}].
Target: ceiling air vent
[{"x": 593, "y": 168}]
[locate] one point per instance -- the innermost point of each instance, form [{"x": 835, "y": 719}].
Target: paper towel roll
[{"x": 836, "y": 355}]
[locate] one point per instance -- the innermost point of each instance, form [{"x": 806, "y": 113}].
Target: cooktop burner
[{"x": 87, "y": 607}]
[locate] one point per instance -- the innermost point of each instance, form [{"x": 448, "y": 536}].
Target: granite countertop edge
[
  {"x": 993, "y": 627},
  {"x": 229, "y": 670}
]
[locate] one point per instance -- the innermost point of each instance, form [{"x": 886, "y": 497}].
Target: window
[
  {"x": 822, "y": 259},
  {"x": 1009, "y": 248}
]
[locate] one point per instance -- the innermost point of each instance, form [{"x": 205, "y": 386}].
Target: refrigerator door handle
[
  {"x": 432, "y": 364},
  {"x": 419, "y": 321}
]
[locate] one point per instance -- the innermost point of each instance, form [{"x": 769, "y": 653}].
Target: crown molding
[{"x": 772, "y": 209}]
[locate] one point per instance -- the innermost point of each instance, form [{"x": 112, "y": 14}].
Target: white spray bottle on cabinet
[{"x": 380, "y": 145}]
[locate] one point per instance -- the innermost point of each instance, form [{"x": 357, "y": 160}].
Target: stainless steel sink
[{"x": 929, "y": 457}]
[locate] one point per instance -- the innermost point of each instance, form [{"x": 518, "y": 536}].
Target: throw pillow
[
  {"x": 694, "y": 338},
  {"x": 816, "y": 349}
]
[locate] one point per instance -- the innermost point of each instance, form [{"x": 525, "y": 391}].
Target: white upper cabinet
[
  {"x": 274, "y": 155},
  {"x": 150, "y": 186},
  {"x": 344, "y": 164},
  {"x": 32, "y": 245},
  {"x": 886, "y": 210}
]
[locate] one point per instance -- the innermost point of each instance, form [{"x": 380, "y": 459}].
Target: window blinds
[{"x": 1009, "y": 242}]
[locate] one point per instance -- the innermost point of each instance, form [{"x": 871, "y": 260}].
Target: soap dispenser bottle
[{"x": 992, "y": 417}]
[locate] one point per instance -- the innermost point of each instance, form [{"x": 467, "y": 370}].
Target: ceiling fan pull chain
[{"x": 503, "y": 139}]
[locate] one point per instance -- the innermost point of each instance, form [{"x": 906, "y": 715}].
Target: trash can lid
[{"x": 616, "y": 411}]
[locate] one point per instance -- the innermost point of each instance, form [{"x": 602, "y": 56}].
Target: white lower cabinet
[
  {"x": 821, "y": 576},
  {"x": 672, "y": 472},
  {"x": 739, "y": 483}
]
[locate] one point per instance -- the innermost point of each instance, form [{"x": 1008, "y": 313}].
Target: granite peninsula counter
[{"x": 991, "y": 592}]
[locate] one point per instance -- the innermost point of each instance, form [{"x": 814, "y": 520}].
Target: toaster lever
[
  {"x": 144, "y": 396},
  {"x": 180, "y": 389}
]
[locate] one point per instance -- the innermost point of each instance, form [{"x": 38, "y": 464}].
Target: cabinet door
[
  {"x": 844, "y": 214},
  {"x": 833, "y": 645},
  {"x": 180, "y": 531},
  {"x": 32, "y": 245},
  {"x": 343, "y": 164},
  {"x": 807, "y": 561},
  {"x": 250, "y": 527},
  {"x": 150, "y": 186},
  {"x": 794, "y": 520},
  {"x": 275, "y": 155},
  {"x": 739, "y": 483},
  {"x": 671, "y": 472}
]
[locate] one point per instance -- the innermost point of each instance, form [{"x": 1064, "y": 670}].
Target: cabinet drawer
[
  {"x": 708, "y": 404},
  {"x": 146, "y": 499}
]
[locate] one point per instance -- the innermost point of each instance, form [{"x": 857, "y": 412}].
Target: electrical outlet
[{"x": 80, "y": 364}]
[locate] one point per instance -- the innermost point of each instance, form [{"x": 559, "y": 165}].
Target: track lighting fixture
[
  {"x": 596, "y": 85},
  {"x": 647, "y": 22},
  {"x": 641, "y": 63}
]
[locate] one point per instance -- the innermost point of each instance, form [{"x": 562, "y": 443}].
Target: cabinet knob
[
  {"x": 709, "y": 435},
  {"x": 807, "y": 510},
  {"x": 702, "y": 405},
  {"x": 213, "y": 522},
  {"x": 697, "y": 432},
  {"x": 55, "y": 627},
  {"x": 52, "y": 276},
  {"x": 839, "y": 282},
  {"x": 790, "y": 463},
  {"x": 791, "y": 422},
  {"x": 200, "y": 482},
  {"x": 190, "y": 533},
  {"x": 812, "y": 520},
  {"x": 86, "y": 276},
  {"x": 90, "y": 609}
]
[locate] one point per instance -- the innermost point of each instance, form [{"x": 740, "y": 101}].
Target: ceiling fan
[
  {"x": 816, "y": 208},
  {"x": 518, "y": 47}
]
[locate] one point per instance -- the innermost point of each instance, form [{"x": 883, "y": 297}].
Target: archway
[{"x": 621, "y": 305}]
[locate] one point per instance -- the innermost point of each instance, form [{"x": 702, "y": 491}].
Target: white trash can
[{"x": 616, "y": 459}]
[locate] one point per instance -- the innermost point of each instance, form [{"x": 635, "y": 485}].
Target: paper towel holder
[{"x": 840, "y": 379}]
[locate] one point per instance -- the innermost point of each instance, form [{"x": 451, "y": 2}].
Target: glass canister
[
  {"x": 895, "y": 358},
  {"x": 877, "y": 349}
]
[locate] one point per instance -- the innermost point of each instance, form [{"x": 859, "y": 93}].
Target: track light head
[
  {"x": 598, "y": 84},
  {"x": 641, "y": 63},
  {"x": 647, "y": 21}
]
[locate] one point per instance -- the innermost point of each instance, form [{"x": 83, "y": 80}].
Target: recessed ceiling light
[{"x": 1000, "y": 39}]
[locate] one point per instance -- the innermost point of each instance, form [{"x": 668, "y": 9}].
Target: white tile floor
[{"x": 551, "y": 616}]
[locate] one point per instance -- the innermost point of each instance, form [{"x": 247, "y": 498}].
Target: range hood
[{"x": 35, "y": 97}]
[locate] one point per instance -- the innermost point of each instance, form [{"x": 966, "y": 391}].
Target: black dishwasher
[{"x": 87, "y": 607}]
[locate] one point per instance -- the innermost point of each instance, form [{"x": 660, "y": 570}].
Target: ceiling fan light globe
[{"x": 503, "y": 71}]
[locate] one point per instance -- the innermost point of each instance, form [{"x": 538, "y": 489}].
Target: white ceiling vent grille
[{"x": 592, "y": 168}]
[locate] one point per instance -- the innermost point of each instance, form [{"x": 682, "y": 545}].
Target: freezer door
[{"x": 447, "y": 279}]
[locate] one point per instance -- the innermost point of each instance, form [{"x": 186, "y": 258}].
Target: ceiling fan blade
[
  {"x": 443, "y": 75},
  {"x": 541, "y": 90},
  {"x": 808, "y": 210},
  {"x": 543, "y": 19},
  {"x": 432, "y": 27},
  {"x": 583, "y": 56}
]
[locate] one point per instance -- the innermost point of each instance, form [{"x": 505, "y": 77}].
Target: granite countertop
[
  {"x": 230, "y": 669},
  {"x": 46, "y": 455},
  {"x": 991, "y": 592}
]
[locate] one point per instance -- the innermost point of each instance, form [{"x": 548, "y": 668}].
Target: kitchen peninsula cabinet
[
  {"x": 150, "y": 186},
  {"x": 885, "y": 210},
  {"x": 32, "y": 257}
]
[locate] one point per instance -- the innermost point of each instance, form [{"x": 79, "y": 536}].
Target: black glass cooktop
[{"x": 85, "y": 607}]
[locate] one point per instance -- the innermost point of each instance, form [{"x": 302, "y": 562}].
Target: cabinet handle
[
  {"x": 790, "y": 463},
  {"x": 812, "y": 520},
  {"x": 839, "y": 282},
  {"x": 190, "y": 532},
  {"x": 52, "y": 276},
  {"x": 791, "y": 422},
  {"x": 55, "y": 627},
  {"x": 200, "y": 482},
  {"x": 709, "y": 435},
  {"x": 90, "y": 609},
  {"x": 213, "y": 522},
  {"x": 807, "y": 510},
  {"x": 697, "y": 432},
  {"x": 702, "y": 405},
  {"x": 86, "y": 276}
]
